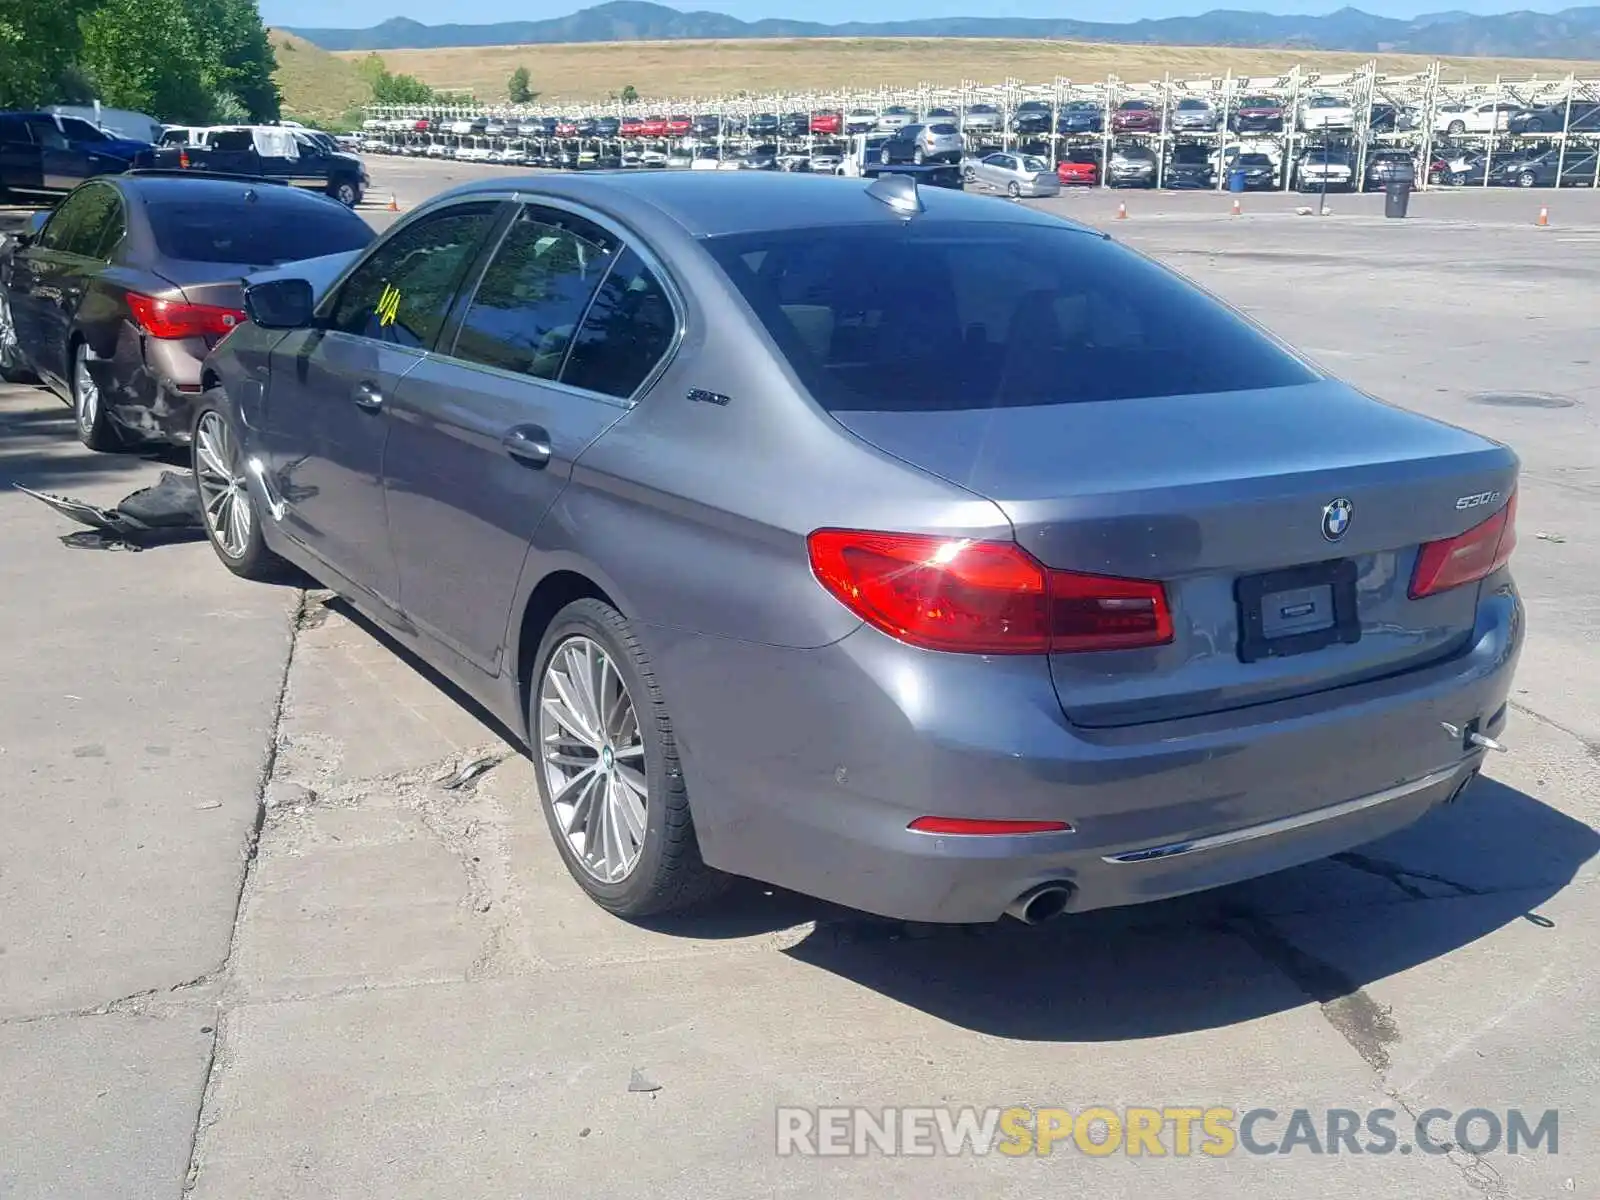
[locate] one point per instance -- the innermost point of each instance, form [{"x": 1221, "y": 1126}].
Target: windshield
[
  {"x": 231, "y": 229},
  {"x": 1254, "y": 160},
  {"x": 865, "y": 315}
]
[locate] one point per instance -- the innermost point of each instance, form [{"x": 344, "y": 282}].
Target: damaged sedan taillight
[{"x": 173, "y": 319}]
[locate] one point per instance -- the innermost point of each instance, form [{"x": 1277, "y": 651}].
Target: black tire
[
  {"x": 916, "y": 156},
  {"x": 1014, "y": 190},
  {"x": 1456, "y": 128},
  {"x": 969, "y": 175},
  {"x": 93, "y": 422},
  {"x": 669, "y": 876},
  {"x": 1527, "y": 179},
  {"x": 346, "y": 191},
  {"x": 253, "y": 560}
]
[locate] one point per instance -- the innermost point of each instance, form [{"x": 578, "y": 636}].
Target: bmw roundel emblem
[{"x": 1336, "y": 518}]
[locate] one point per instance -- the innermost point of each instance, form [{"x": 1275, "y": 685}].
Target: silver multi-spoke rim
[
  {"x": 8, "y": 334},
  {"x": 85, "y": 391},
  {"x": 593, "y": 758},
  {"x": 229, "y": 518}
]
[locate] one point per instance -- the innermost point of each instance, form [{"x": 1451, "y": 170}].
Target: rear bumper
[{"x": 806, "y": 767}]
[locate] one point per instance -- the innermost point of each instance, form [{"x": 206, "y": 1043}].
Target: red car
[
  {"x": 826, "y": 122},
  {"x": 1136, "y": 116},
  {"x": 566, "y": 129},
  {"x": 678, "y": 126},
  {"x": 653, "y": 127},
  {"x": 630, "y": 127},
  {"x": 1075, "y": 173},
  {"x": 423, "y": 125}
]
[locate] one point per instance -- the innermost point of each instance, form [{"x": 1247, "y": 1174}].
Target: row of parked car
[
  {"x": 47, "y": 154},
  {"x": 1261, "y": 113}
]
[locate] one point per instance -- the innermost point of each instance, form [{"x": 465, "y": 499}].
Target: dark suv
[{"x": 49, "y": 154}]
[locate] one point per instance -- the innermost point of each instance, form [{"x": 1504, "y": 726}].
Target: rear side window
[
  {"x": 526, "y": 311},
  {"x": 628, "y": 329},
  {"x": 934, "y": 316},
  {"x": 228, "y": 228}
]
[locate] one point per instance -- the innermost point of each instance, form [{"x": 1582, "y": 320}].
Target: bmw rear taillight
[
  {"x": 984, "y": 597},
  {"x": 172, "y": 319},
  {"x": 1467, "y": 558}
]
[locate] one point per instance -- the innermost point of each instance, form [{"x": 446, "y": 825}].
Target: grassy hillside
[
  {"x": 316, "y": 85},
  {"x": 710, "y": 68}
]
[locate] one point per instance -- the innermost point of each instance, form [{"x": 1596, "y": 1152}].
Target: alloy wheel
[
  {"x": 85, "y": 392},
  {"x": 223, "y": 493},
  {"x": 592, "y": 755},
  {"x": 8, "y": 333}
]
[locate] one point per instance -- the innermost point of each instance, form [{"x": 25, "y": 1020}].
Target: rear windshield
[
  {"x": 931, "y": 315},
  {"x": 231, "y": 229}
]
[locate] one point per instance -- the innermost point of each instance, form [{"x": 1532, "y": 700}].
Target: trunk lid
[{"x": 1207, "y": 492}]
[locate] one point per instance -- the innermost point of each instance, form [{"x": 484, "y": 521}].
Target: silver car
[
  {"x": 1192, "y": 114},
  {"x": 1078, "y": 589},
  {"x": 1014, "y": 174},
  {"x": 982, "y": 118}
]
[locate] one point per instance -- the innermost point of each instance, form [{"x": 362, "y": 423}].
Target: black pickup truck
[{"x": 294, "y": 156}]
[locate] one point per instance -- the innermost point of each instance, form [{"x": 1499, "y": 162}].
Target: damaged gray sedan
[{"x": 114, "y": 298}]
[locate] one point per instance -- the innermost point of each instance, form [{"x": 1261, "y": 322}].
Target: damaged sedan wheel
[
  {"x": 95, "y": 429},
  {"x": 232, "y": 521},
  {"x": 12, "y": 367}
]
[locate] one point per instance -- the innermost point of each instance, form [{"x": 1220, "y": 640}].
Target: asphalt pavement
[{"x": 394, "y": 990}]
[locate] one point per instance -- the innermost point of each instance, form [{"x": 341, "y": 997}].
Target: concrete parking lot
[{"x": 254, "y": 944}]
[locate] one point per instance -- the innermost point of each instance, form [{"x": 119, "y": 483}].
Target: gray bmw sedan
[{"x": 907, "y": 548}]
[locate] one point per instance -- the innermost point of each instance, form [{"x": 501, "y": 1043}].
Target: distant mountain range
[{"x": 1573, "y": 33}]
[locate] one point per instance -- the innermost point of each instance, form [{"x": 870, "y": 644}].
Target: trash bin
[
  {"x": 1396, "y": 197},
  {"x": 1236, "y": 180}
]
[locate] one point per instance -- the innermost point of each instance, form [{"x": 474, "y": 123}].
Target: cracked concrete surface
[{"x": 395, "y": 991}]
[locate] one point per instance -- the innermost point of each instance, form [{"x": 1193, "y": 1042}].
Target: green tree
[
  {"x": 237, "y": 53},
  {"x": 519, "y": 88},
  {"x": 372, "y": 70},
  {"x": 628, "y": 95},
  {"x": 401, "y": 89},
  {"x": 143, "y": 54},
  {"x": 39, "y": 44}
]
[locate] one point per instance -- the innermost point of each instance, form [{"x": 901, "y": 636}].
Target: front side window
[
  {"x": 402, "y": 293},
  {"x": 46, "y": 134},
  {"x": 79, "y": 130},
  {"x": 866, "y": 317},
  {"x": 527, "y": 307}
]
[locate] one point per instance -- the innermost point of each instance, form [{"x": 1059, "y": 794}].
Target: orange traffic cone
[
  {"x": 1236, "y": 209},
  {"x": 1544, "y": 215},
  {"x": 1122, "y": 212},
  {"x": 394, "y": 205}
]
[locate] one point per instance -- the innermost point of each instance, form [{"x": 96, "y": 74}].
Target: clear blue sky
[{"x": 358, "y": 14}]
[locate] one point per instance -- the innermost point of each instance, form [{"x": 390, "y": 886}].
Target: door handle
[
  {"x": 528, "y": 444},
  {"x": 367, "y": 396}
]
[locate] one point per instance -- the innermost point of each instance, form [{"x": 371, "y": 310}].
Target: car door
[
  {"x": 59, "y": 168},
  {"x": 327, "y": 420},
  {"x": 49, "y": 277},
  {"x": 564, "y": 326},
  {"x": 21, "y": 167}
]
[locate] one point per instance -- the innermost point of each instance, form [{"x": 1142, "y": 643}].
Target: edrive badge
[{"x": 1336, "y": 518}]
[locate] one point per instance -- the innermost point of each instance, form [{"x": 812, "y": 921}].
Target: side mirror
[
  {"x": 280, "y": 303},
  {"x": 29, "y": 233}
]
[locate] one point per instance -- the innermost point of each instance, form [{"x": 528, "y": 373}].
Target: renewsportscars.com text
[{"x": 1177, "y": 1131}]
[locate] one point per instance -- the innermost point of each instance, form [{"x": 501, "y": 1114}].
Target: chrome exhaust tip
[{"x": 1041, "y": 903}]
